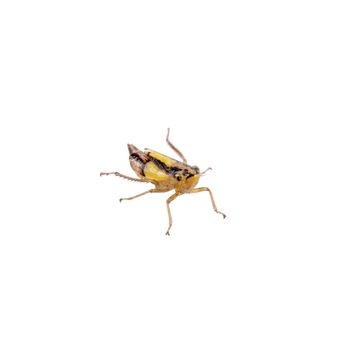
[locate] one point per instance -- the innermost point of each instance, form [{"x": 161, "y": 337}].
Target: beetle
[{"x": 165, "y": 174}]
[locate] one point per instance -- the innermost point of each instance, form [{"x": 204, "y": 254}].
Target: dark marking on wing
[
  {"x": 164, "y": 167},
  {"x": 137, "y": 158},
  {"x": 159, "y": 164},
  {"x": 175, "y": 169}
]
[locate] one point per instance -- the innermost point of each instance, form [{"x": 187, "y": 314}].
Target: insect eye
[
  {"x": 178, "y": 177},
  {"x": 196, "y": 169}
]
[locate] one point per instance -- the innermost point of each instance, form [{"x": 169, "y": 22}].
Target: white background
[{"x": 259, "y": 91}]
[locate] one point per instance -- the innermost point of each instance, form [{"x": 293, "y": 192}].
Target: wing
[
  {"x": 152, "y": 166},
  {"x": 162, "y": 169},
  {"x": 155, "y": 173},
  {"x": 165, "y": 160}
]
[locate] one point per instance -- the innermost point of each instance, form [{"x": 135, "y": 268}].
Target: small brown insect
[{"x": 165, "y": 173}]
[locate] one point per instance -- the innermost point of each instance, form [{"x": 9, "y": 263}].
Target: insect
[{"x": 165, "y": 174}]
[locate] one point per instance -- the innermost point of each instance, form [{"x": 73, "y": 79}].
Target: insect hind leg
[
  {"x": 123, "y": 176},
  {"x": 176, "y": 150}
]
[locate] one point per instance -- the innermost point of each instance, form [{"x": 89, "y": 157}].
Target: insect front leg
[
  {"x": 168, "y": 201},
  {"x": 203, "y": 189},
  {"x": 153, "y": 190},
  {"x": 177, "y": 151}
]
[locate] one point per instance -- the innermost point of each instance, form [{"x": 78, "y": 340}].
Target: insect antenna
[{"x": 203, "y": 172}]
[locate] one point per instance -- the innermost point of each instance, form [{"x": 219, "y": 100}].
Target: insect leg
[
  {"x": 124, "y": 176},
  {"x": 153, "y": 190},
  {"x": 168, "y": 201},
  {"x": 174, "y": 148},
  {"x": 202, "y": 189}
]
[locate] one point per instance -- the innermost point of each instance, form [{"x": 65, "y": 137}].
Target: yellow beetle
[{"x": 165, "y": 173}]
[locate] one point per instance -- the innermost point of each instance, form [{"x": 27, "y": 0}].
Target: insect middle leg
[
  {"x": 176, "y": 150},
  {"x": 203, "y": 189},
  {"x": 153, "y": 190}
]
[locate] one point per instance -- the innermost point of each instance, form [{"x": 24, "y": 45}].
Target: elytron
[{"x": 165, "y": 174}]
